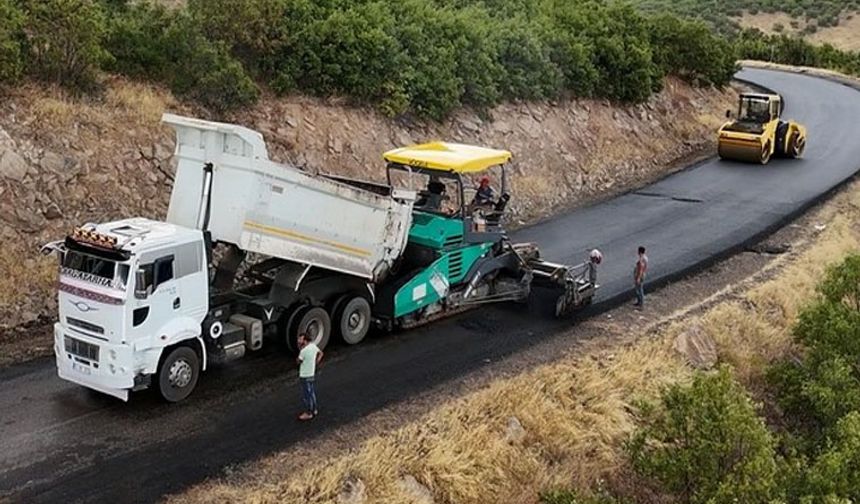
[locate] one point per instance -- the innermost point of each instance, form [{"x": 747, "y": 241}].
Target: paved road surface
[{"x": 59, "y": 442}]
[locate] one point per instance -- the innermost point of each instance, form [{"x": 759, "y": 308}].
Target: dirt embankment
[{"x": 65, "y": 162}]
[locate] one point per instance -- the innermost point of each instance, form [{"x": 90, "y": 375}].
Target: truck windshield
[{"x": 95, "y": 269}]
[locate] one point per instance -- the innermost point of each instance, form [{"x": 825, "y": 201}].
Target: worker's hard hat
[
  {"x": 485, "y": 179},
  {"x": 596, "y": 256}
]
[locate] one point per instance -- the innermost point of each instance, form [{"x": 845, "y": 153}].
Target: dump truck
[
  {"x": 254, "y": 252},
  {"x": 758, "y": 133}
]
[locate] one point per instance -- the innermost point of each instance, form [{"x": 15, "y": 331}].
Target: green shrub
[
  {"x": 148, "y": 41},
  {"x": 349, "y": 52},
  {"x": 64, "y": 40},
  {"x": 252, "y": 30},
  {"x": 426, "y": 57},
  {"x": 11, "y": 35},
  {"x": 205, "y": 71},
  {"x": 139, "y": 43},
  {"x": 825, "y": 385},
  {"x": 835, "y": 474},
  {"x": 691, "y": 51},
  {"x": 706, "y": 444},
  {"x": 528, "y": 70},
  {"x": 432, "y": 42}
]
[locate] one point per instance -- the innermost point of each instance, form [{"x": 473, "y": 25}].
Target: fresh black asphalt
[{"x": 60, "y": 443}]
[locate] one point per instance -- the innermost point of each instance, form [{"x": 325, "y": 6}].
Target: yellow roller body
[{"x": 751, "y": 151}]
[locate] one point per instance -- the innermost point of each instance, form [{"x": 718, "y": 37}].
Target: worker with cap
[{"x": 484, "y": 196}]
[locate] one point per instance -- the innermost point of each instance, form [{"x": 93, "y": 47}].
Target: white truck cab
[
  {"x": 128, "y": 290},
  {"x": 250, "y": 249}
]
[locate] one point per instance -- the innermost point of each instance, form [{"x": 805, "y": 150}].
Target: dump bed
[{"x": 277, "y": 210}]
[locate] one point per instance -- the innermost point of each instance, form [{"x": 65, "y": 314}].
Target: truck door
[{"x": 163, "y": 299}]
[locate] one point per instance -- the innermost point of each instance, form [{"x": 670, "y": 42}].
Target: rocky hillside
[{"x": 65, "y": 162}]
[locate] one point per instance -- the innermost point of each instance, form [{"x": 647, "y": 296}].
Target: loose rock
[
  {"x": 697, "y": 347},
  {"x": 12, "y": 166},
  {"x": 515, "y": 432},
  {"x": 416, "y": 490},
  {"x": 352, "y": 491}
]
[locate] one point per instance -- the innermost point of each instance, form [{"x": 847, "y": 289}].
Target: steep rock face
[{"x": 65, "y": 162}]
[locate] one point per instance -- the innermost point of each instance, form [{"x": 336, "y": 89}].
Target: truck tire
[
  {"x": 178, "y": 373},
  {"x": 352, "y": 319},
  {"x": 290, "y": 335},
  {"x": 315, "y": 322}
]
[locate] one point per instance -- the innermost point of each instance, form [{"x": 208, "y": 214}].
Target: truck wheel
[
  {"x": 178, "y": 373},
  {"x": 290, "y": 335},
  {"x": 315, "y": 322},
  {"x": 352, "y": 319}
]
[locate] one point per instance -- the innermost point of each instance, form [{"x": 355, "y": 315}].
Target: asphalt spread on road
[{"x": 61, "y": 442}]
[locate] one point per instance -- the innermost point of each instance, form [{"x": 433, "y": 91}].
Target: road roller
[{"x": 757, "y": 132}]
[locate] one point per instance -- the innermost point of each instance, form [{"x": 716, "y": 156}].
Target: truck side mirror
[{"x": 141, "y": 290}]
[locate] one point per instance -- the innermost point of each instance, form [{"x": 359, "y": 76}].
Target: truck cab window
[{"x": 163, "y": 270}]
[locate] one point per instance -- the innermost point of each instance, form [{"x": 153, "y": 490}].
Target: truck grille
[
  {"x": 83, "y": 324},
  {"x": 81, "y": 349}
]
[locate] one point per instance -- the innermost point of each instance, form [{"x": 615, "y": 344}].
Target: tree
[
  {"x": 64, "y": 40},
  {"x": 11, "y": 34},
  {"x": 706, "y": 444}
]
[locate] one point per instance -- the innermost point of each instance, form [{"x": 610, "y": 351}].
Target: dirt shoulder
[
  {"x": 556, "y": 414},
  {"x": 65, "y": 162}
]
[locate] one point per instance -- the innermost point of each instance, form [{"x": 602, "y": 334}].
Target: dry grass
[
  {"x": 845, "y": 35},
  {"x": 123, "y": 103},
  {"x": 34, "y": 272},
  {"x": 140, "y": 101},
  {"x": 54, "y": 111},
  {"x": 576, "y": 412}
]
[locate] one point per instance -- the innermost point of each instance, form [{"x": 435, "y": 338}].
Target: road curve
[{"x": 59, "y": 442}]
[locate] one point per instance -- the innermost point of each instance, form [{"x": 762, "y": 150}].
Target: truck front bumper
[{"x": 94, "y": 363}]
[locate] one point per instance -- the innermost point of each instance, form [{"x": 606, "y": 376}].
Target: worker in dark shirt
[{"x": 432, "y": 198}]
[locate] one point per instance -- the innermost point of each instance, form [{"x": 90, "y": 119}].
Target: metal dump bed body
[{"x": 278, "y": 210}]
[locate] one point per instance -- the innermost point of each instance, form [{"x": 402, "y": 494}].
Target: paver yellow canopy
[
  {"x": 444, "y": 156},
  {"x": 758, "y": 132}
]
